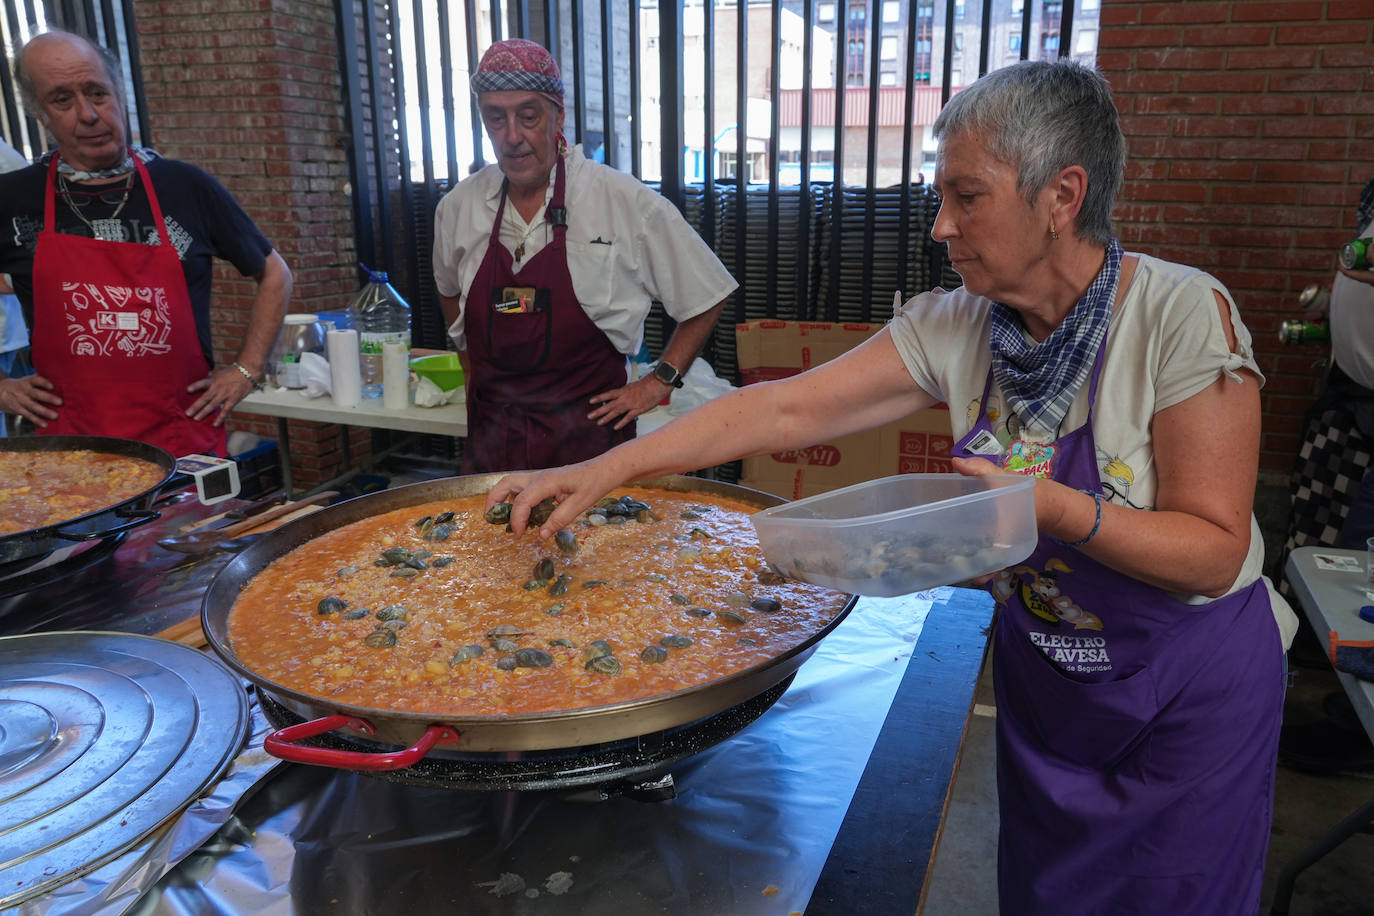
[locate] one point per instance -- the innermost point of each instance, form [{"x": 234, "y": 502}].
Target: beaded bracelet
[
  {"x": 1097, "y": 523},
  {"x": 257, "y": 385}
]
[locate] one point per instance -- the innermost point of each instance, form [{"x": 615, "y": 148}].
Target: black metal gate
[{"x": 834, "y": 241}]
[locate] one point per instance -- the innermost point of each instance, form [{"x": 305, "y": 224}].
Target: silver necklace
[{"x": 72, "y": 205}]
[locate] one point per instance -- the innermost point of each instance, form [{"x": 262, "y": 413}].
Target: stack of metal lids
[{"x": 104, "y": 739}]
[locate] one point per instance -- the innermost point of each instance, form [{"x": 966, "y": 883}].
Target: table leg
[
  {"x": 1359, "y": 822},
  {"x": 284, "y": 453}
]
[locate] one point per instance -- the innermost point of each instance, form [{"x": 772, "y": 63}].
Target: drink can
[
  {"x": 1355, "y": 255},
  {"x": 1293, "y": 331}
]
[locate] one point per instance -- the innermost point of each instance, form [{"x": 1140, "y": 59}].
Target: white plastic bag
[
  {"x": 428, "y": 394},
  {"x": 699, "y": 385},
  {"x": 315, "y": 374}
]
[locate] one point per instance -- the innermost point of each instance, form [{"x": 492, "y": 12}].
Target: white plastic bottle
[{"x": 379, "y": 315}]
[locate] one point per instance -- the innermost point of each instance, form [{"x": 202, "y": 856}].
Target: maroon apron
[
  {"x": 114, "y": 331},
  {"x": 536, "y": 358},
  {"x": 1137, "y": 735}
]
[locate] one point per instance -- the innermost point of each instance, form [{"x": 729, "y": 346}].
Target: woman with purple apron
[
  {"x": 1138, "y": 650},
  {"x": 1119, "y": 775}
]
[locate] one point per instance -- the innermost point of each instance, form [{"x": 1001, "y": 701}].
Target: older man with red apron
[{"x": 114, "y": 331}]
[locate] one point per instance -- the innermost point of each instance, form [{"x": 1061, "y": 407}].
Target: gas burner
[
  {"x": 25, "y": 575},
  {"x": 635, "y": 767}
]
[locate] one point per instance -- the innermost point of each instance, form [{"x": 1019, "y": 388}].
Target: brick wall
[
  {"x": 249, "y": 90},
  {"x": 1251, "y": 132}
]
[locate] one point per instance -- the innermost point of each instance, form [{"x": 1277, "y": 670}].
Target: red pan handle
[{"x": 280, "y": 744}]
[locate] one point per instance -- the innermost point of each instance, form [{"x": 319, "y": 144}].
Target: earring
[{"x": 1054, "y": 233}]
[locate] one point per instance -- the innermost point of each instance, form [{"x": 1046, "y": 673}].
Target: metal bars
[{"x": 817, "y": 208}]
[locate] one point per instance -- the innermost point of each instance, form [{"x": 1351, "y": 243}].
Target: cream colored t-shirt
[{"x": 1166, "y": 344}]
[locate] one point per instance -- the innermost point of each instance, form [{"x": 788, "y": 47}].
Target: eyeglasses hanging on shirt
[{"x": 78, "y": 197}]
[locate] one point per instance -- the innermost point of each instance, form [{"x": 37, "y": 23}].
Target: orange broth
[
  {"x": 43, "y": 488},
  {"x": 659, "y": 578}
]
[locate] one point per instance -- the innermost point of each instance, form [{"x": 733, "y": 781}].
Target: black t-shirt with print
[{"x": 203, "y": 222}]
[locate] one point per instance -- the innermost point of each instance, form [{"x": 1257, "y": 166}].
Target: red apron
[
  {"x": 536, "y": 358},
  {"x": 114, "y": 331}
]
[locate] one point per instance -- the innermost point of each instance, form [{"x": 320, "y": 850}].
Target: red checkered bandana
[{"x": 519, "y": 64}]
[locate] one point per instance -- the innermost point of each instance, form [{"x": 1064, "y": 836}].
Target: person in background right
[
  {"x": 1333, "y": 481},
  {"x": 1332, "y": 494},
  {"x": 1138, "y": 651}
]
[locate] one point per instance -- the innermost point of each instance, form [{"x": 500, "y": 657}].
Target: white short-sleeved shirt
[
  {"x": 1166, "y": 344},
  {"x": 1352, "y": 324},
  {"x": 627, "y": 247}
]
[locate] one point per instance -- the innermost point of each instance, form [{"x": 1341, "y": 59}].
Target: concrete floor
[{"x": 1341, "y": 884}]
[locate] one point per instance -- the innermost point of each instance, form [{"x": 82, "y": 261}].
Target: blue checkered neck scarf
[{"x": 1040, "y": 380}]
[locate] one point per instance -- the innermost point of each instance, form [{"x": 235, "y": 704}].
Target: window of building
[
  {"x": 1017, "y": 6},
  {"x": 959, "y": 10},
  {"x": 887, "y": 78},
  {"x": 1085, "y": 42},
  {"x": 826, "y": 12},
  {"x": 1049, "y": 43},
  {"x": 1014, "y": 42},
  {"x": 889, "y": 47},
  {"x": 958, "y": 42},
  {"x": 892, "y": 12}
]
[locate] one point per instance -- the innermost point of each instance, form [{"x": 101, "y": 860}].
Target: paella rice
[
  {"x": 433, "y": 609},
  {"x": 40, "y": 488}
]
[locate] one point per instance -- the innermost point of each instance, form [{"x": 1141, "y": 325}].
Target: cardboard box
[{"x": 917, "y": 444}]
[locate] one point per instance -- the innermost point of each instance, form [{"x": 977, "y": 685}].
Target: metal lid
[{"x": 104, "y": 737}]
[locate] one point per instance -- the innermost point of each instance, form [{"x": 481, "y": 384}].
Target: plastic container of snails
[{"x": 897, "y": 535}]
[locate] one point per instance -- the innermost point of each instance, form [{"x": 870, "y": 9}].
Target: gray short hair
[
  {"x": 1044, "y": 116},
  {"x": 24, "y": 79}
]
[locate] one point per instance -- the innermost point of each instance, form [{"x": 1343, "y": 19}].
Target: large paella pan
[
  {"x": 101, "y": 521},
  {"x": 458, "y": 733}
]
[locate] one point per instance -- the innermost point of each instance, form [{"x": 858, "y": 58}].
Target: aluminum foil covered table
[{"x": 831, "y": 802}]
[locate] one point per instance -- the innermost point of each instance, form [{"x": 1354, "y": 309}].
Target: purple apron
[
  {"x": 1137, "y": 735},
  {"x": 536, "y": 358}
]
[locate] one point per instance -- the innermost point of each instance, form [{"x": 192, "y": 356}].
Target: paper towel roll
[
  {"x": 345, "y": 382},
  {"x": 395, "y": 375}
]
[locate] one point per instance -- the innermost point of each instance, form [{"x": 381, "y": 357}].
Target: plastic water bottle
[{"x": 379, "y": 314}]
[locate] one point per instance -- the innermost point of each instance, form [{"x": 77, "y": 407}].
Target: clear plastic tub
[{"x": 898, "y": 535}]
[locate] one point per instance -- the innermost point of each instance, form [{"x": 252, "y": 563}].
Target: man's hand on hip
[
  {"x": 626, "y": 403},
  {"x": 30, "y": 397},
  {"x": 222, "y": 389}
]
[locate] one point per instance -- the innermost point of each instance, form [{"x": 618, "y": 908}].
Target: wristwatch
[{"x": 668, "y": 374}]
